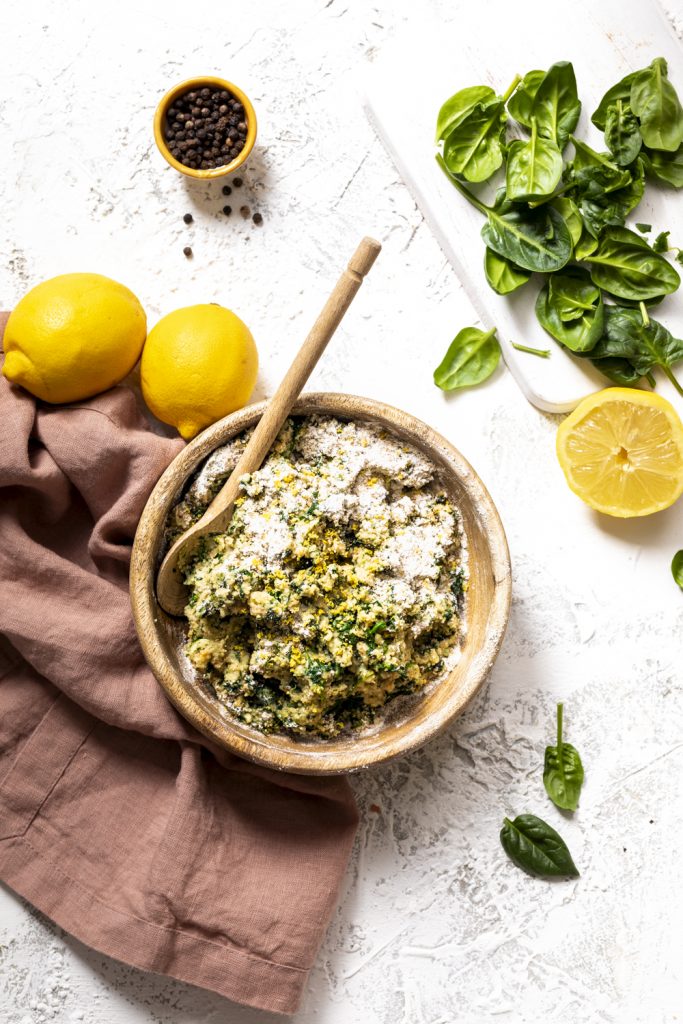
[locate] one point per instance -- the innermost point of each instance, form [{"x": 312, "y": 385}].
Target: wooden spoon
[{"x": 171, "y": 591}]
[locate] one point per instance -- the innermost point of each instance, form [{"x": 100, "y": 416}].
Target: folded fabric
[{"x": 117, "y": 819}]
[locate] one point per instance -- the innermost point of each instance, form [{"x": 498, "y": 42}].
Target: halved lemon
[{"x": 622, "y": 452}]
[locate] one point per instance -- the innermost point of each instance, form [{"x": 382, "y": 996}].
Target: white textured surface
[{"x": 435, "y": 926}]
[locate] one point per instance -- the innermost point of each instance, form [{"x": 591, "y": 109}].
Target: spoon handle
[{"x": 280, "y": 405}]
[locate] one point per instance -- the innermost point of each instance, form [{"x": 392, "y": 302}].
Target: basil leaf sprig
[
  {"x": 471, "y": 358},
  {"x": 563, "y": 771},
  {"x": 536, "y": 847},
  {"x": 677, "y": 568}
]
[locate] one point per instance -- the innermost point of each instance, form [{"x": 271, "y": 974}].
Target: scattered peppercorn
[
  {"x": 245, "y": 211},
  {"x": 227, "y": 191},
  {"x": 188, "y": 218},
  {"x": 206, "y": 128},
  {"x": 257, "y": 218},
  {"x": 227, "y": 210},
  {"x": 237, "y": 182},
  {"x": 187, "y": 251}
]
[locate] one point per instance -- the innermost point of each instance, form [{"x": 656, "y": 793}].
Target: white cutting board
[{"x": 488, "y": 42}]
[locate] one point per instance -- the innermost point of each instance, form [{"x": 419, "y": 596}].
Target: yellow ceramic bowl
[{"x": 200, "y": 83}]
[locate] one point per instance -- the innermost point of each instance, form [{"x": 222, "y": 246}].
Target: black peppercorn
[
  {"x": 187, "y": 251},
  {"x": 206, "y": 128},
  {"x": 257, "y": 218},
  {"x": 227, "y": 191},
  {"x": 245, "y": 211},
  {"x": 188, "y": 218},
  {"x": 237, "y": 182},
  {"x": 227, "y": 210}
]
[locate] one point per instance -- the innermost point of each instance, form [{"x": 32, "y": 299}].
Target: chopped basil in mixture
[{"x": 337, "y": 586}]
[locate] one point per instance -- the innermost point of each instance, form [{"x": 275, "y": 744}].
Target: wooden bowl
[{"x": 410, "y": 721}]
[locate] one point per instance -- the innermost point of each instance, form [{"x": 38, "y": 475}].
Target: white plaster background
[{"x": 435, "y": 926}]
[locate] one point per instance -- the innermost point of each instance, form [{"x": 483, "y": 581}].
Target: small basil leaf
[
  {"x": 563, "y": 771},
  {"x": 620, "y": 91},
  {"x": 522, "y": 99},
  {"x": 625, "y": 265},
  {"x": 536, "y": 240},
  {"x": 654, "y": 101},
  {"x": 572, "y": 294},
  {"x": 580, "y": 335},
  {"x": 536, "y": 847},
  {"x": 622, "y": 134},
  {"x": 556, "y": 105},
  {"x": 474, "y": 147},
  {"x": 569, "y": 212},
  {"x": 502, "y": 275},
  {"x": 456, "y": 109},
  {"x": 677, "y": 568},
  {"x": 644, "y": 345},
  {"x": 619, "y": 371},
  {"x": 666, "y": 167},
  {"x": 471, "y": 358},
  {"x": 534, "y": 167}
]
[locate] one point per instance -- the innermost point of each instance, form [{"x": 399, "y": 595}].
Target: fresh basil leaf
[
  {"x": 536, "y": 240},
  {"x": 502, "y": 275},
  {"x": 534, "y": 846},
  {"x": 661, "y": 242},
  {"x": 625, "y": 265},
  {"x": 677, "y": 568},
  {"x": 474, "y": 147},
  {"x": 666, "y": 167},
  {"x": 644, "y": 344},
  {"x": 456, "y": 109},
  {"x": 563, "y": 771},
  {"x": 556, "y": 105},
  {"x": 587, "y": 244},
  {"x": 569, "y": 212},
  {"x": 579, "y": 335},
  {"x": 471, "y": 358},
  {"x": 619, "y": 371},
  {"x": 620, "y": 91},
  {"x": 655, "y": 102},
  {"x": 622, "y": 134},
  {"x": 521, "y": 101},
  {"x": 572, "y": 294},
  {"x": 534, "y": 167}
]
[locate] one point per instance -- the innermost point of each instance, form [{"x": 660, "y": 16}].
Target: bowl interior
[
  {"x": 200, "y": 83},
  {"x": 410, "y": 721}
]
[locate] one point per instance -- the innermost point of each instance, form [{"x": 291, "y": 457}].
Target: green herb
[
  {"x": 620, "y": 91},
  {"x": 471, "y": 358},
  {"x": 571, "y": 215},
  {"x": 677, "y": 568},
  {"x": 625, "y": 265},
  {"x": 622, "y": 133},
  {"x": 521, "y": 102},
  {"x": 474, "y": 147},
  {"x": 536, "y": 847},
  {"x": 457, "y": 108},
  {"x": 661, "y": 242},
  {"x": 563, "y": 771},
  {"x": 655, "y": 103},
  {"x": 502, "y": 275},
  {"x": 573, "y": 294},
  {"x": 556, "y": 106},
  {"x": 632, "y": 335},
  {"x": 544, "y": 353},
  {"x": 534, "y": 167},
  {"x": 644, "y": 228},
  {"x": 666, "y": 167},
  {"x": 578, "y": 335},
  {"x": 377, "y": 628}
]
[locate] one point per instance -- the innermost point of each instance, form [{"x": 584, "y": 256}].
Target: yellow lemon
[
  {"x": 198, "y": 365},
  {"x": 73, "y": 336},
  {"x": 622, "y": 452}
]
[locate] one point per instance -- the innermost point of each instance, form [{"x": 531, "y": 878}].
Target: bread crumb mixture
[{"x": 337, "y": 586}]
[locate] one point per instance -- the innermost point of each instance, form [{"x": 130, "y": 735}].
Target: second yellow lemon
[
  {"x": 198, "y": 365},
  {"x": 622, "y": 452}
]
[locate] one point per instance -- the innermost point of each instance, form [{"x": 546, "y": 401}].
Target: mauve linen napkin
[{"x": 117, "y": 819}]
